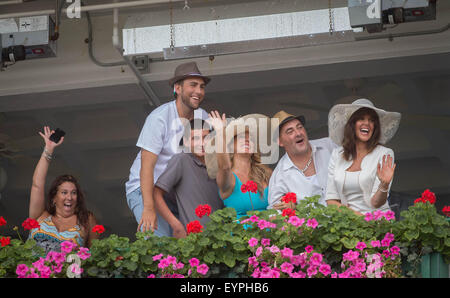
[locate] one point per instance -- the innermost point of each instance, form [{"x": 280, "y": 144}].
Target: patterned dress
[{"x": 48, "y": 237}]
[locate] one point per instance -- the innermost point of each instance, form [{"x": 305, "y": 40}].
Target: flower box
[{"x": 433, "y": 266}]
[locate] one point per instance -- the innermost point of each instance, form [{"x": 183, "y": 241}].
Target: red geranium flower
[
  {"x": 5, "y": 241},
  {"x": 98, "y": 229},
  {"x": 2, "y": 221},
  {"x": 446, "y": 210},
  {"x": 203, "y": 210},
  {"x": 419, "y": 200},
  {"x": 194, "y": 227},
  {"x": 289, "y": 197},
  {"x": 429, "y": 196},
  {"x": 288, "y": 212},
  {"x": 30, "y": 224},
  {"x": 249, "y": 186}
]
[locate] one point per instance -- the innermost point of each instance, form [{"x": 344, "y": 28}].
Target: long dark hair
[
  {"x": 81, "y": 210},
  {"x": 349, "y": 142}
]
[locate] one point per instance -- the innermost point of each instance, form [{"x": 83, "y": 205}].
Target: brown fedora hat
[
  {"x": 186, "y": 70},
  {"x": 284, "y": 118}
]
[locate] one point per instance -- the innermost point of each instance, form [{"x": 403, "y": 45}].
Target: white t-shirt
[{"x": 160, "y": 135}]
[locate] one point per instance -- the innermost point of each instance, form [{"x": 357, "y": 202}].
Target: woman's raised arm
[{"x": 37, "y": 195}]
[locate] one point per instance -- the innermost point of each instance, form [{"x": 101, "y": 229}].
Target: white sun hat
[{"x": 340, "y": 113}]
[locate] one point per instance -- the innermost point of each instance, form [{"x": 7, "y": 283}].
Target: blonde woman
[{"x": 237, "y": 162}]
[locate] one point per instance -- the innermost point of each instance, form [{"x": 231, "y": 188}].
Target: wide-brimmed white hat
[
  {"x": 250, "y": 123},
  {"x": 339, "y": 115}
]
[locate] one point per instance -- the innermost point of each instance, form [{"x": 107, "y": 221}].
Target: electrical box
[
  {"x": 31, "y": 33},
  {"x": 372, "y": 15}
]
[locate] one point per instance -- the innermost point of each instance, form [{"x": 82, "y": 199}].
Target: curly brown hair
[
  {"x": 81, "y": 210},
  {"x": 349, "y": 142}
]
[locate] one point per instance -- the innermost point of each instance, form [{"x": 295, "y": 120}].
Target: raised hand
[
  {"x": 217, "y": 122},
  {"x": 50, "y": 145},
  {"x": 385, "y": 171}
]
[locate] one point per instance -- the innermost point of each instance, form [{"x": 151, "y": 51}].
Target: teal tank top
[{"x": 241, "y": 202}]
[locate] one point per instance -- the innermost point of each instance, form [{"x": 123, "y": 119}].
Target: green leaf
[
  {"x": 229, "y": 259},
  {"x": 210, "y": 257},
  {"x": 349, "y": 243},
  {"x": 239, "y": 247},
  {"x": 427, "y": 229},
  {"x": 92, "y": 271},
  {"x": 440, "y": 232},
  {"x": 412, "y": 234},
  {"x": 131, "y": 266},
  {"x": 330, "y": 238},
  {"x": 337, "y": 247},
  {"x": 203, "y": 241},
  {"x": 421, "y": 219}
]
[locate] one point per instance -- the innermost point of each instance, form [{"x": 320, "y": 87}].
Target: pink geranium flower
[
  {"x": 325, "y": 269},
  {"x": 287, "y": 252},
  {"x": 164, "y": 263},
  {"x": 312, "y": 223},
  {"x": 311, "y": 271},
  {"x": 194, "y": 262},
  {"x": 309, "y": 248},
  {"x": 368, "y": 216},
  {"x": 259, "y": 251},
  {"x": 21, "y": 270},
  {"x": 67, "y": 247},
  {"x": 395, "y": 250},
  {"x": 253, "y": 242},
  {"x": 253, "y": 262},
  {"x": 361, "y": 245},
  {"x": 157, "y": 257},
  {"x": 287, "y": 267},
  {"x": 265, "y": 242},
  {"x": 295, "y": 221},
  {"x": 274, "y": 249},
  {"x": 375, "y": 243},
  {"x": 83, "y": 253},
  {"x": 389, "y": 215},
  {"x": 202, "y": 269},
  {"x": 316, "y": 259}
]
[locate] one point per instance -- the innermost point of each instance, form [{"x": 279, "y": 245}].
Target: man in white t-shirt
[
  {"x": 159, "y": 141},
  {"x": 303, "y": 170}
]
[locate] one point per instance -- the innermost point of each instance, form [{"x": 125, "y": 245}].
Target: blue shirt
[{"x": 241, "y": 201}]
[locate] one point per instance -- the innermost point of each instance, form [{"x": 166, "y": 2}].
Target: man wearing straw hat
[
  {"x": 159, "y": 141},
  {"x": 303, "y": 169}
]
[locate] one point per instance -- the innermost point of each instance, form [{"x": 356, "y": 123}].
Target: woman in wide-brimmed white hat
[
  {"x": 232, "y": 157},
  {"x": 361, "y": 170}
]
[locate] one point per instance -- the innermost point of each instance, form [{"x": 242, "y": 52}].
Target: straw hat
[
  {"x": 339, "y": 115},
  {"x": 186, "y": 70},
  {"x": 250, "y": 123}
]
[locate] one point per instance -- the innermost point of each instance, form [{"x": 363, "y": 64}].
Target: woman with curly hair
[{"x": 62, "y": 214}]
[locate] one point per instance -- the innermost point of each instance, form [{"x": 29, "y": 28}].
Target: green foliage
[
  {"x": 16, "y": 253},
  {"x": 422, "y": 231},
  {"x": 223, "y": 245}
]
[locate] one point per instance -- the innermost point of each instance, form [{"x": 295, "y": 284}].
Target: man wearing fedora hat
[
  {"x": 159, "y": 141},
  {"x": 303, "y": 169}
]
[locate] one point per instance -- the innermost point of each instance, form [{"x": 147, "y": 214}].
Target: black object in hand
[{"x": 56, "y": 136}]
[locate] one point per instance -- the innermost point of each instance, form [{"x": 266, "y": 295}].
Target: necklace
[{"x": 307, "y": 165}]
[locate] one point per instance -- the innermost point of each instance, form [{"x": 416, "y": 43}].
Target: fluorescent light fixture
[{"x": 240, "y": 34}]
